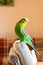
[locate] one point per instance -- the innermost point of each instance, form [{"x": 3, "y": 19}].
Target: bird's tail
[{"x": 37, "y": 51}]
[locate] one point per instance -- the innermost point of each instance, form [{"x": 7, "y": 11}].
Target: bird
[{"x": 24, "y": 36}]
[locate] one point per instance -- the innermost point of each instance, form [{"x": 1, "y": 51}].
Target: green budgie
[{"x": 23, "y": 35}]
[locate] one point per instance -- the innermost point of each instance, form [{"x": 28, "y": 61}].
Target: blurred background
[{"x": 10, "y": 15}]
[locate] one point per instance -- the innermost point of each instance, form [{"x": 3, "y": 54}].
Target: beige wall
[{"x": 32, "y": 9}]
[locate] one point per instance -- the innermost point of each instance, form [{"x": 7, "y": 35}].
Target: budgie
[{"x": 23, "y": 35}]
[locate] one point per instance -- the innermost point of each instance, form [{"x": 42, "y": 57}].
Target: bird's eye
[{"x": 23, "y": 22}]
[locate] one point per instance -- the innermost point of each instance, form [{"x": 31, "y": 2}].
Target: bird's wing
[{"x": 24, "y": 32}]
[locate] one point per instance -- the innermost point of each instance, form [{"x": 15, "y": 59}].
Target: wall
[{"x": 9, "y": 16}]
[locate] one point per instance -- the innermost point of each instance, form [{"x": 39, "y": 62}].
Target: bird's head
[{"x": 23, "y": 21}]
